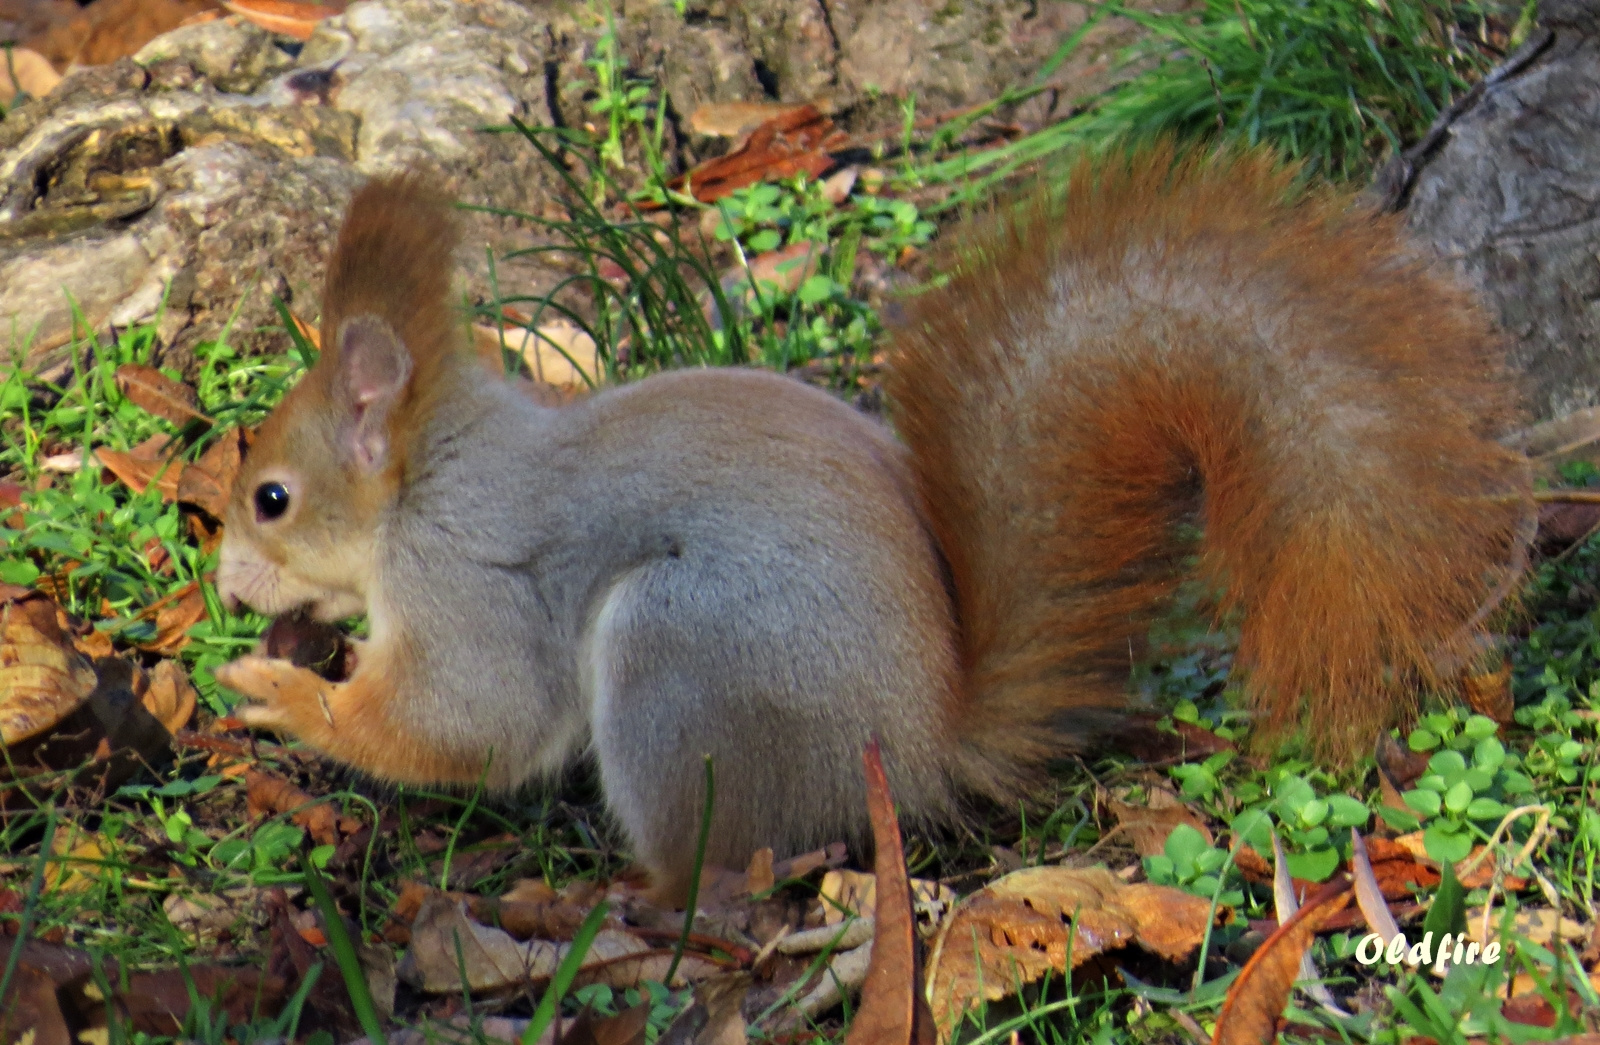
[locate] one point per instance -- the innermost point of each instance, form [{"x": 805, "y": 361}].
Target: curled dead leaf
[
  {"x": 889, "y": 995},
  {"x": 732, "y": 119},
  {"x": 154, "y": 461},
  {"x": 1489, "y": 694},
  {"x": 290, "y": 19},
  {"x": 1147, "y": 825},
  {"x": 208, "y": 482},
  {"x": 156, "y": 393},
  {"x": 23, "y": 71},
  {"x": 43, "y": 678},
  {"x": 1255, "y": 1001},
  {"x": 268, "y": 794},
  {"x": 847, "y": 894},
  {"x": 174, "y": 619},
  {"x": 170, "y": 696},
  {"x": 790, "y": 143},
  {"x": 1021, "y": 927}
]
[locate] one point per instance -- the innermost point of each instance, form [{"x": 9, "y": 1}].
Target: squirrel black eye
[{"x": 272, "y": 500}]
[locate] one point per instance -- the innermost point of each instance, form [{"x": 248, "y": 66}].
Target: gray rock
[
  {"x": 233, "y": 56},
  {"x": 1508, "y": 190}
]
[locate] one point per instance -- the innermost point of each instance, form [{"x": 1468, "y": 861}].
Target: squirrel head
[{"x": 328, "y": 464}]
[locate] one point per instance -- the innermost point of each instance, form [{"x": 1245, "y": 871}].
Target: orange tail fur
[{"x": 1181, "y": 334}]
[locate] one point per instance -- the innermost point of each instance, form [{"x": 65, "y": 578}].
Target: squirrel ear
[{"x": 374, "y": 367}]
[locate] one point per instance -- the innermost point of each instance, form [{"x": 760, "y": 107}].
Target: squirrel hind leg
[{"x": 680, "y": 665}]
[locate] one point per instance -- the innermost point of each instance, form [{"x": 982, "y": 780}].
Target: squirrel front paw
[{"x": 284, "y": 697}]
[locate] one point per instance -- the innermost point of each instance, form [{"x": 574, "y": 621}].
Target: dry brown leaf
[
  {"x": 307, "y": 331},
  {"x": 282, "y": 16},
  {"x": 758, "y": 876},
  {"x": 888, "y": 1011},
  {"x": 444, "y": 939},
  {"x": 1541, "y": 925},
  {"x": 1489, "y": 694},
  {"x": 1398, "y": 769},
  {"x": 170, "y": 696},
  {"x": 208, "y": 482},
  {"x": 1019, "y": 928},
  {"x": 1563, "y": 525},
  {"x": 732, "y": 119},
  {"x": 30, "y": 1010},
  {"x": 790, "y": 143},
  {"x": 174, "y": 619},
  {"x": 153, "y": 461},
  {"x": 27, "y": 72},
  {"x": 625, "y": 1028},
  {"x": 780, "y": 271},
  {"x": 156, "y": 393},
  {"x": 1257, "y": 998},
  {"x": 43, "y": 678},
  {"x": 1558, "y": 436},
  {"x": 73, "y": 852},
  {"x": 845, "y": 894},
  {"x": 1147, "y": 825},
  {"x": 268, "y": 794},
  {"x": 1154, "y": 740},
  {"x": 1398, "y": 872},
  {"x": 716, "y": 1017},
  {"x": 1472, "y": 872},
  {"x": 557, "y": 353}
]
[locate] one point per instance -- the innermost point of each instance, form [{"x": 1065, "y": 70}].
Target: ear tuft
[{"x": 374, "y": 368}]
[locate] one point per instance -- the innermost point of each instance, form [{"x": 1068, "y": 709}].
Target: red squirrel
[{"x": 727, "y": 562}]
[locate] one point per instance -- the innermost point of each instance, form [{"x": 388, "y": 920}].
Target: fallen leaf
[
  {"x": 1541, "y": 925},
  {"x": 170, "y": 696},
  {"x": 1559, "y": 435},
  {"x": 1153, "y": 741},
  {"x": 847, "y": 894},
  {"x": 716, "y": 1017},
  {"x": 30, "y": 1010},
  {"x": 108, "y": 30},
  {"x": 268, "y": 794},
  {"x": 1473, "y": 873},
  {"x": 1489, "y": 694},
  {"x": 790, "y": 143},
  {"x": 1019, "y": 928},
  {"x": 1257, "y": 998},
  {"x": 1563, "y": 525},
  {"x": 444, "y": 941},
  {"x": 208, "y": 482},
  {"x": 889, "y": 995},
  {"x": 73, "y": 851},
  {"x": 732, "y": 119},
  {"x": 758, "y": 876},
  {"x": 1147, "y": 825},
  {"x": 43, "y": 678},
  {"x": 26, "y": 72},
  {"x": 153, "y": 461},
  {"x": 1398, "y": 769},
  {"x": 290, "y": 19},
  {"x": 156, "y": 393},
  {"x": 174, "y": 619},
  {"x": 1533, "y": 1010},
  {"x": 557, "y": 353},
  {"x": 625, "y": 1028}
]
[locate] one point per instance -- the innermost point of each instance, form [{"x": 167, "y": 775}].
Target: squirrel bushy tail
[{"x": 1176, "y": 342}]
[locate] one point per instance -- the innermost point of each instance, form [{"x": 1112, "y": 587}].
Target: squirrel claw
[{"x": 274, "y": 686}]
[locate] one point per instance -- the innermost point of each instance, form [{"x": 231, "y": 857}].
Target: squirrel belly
[{"x": 729, "y": 564}]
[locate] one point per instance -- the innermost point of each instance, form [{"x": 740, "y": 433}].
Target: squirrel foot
[{"x": 285, "y": 697}]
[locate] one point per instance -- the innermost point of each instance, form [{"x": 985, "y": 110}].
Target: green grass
[{"x": 1337, "y": 84}]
